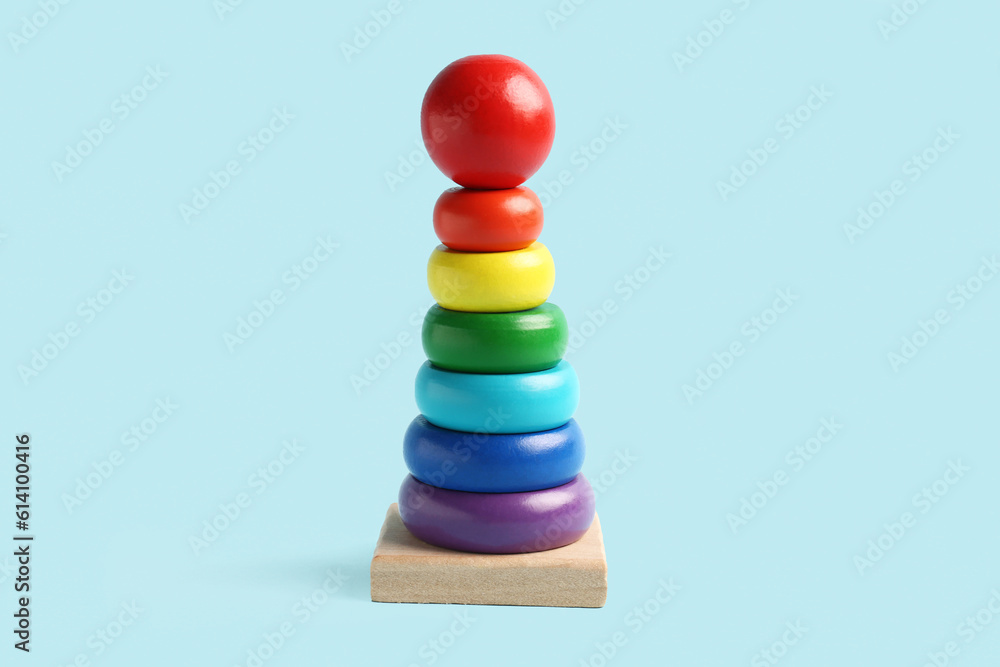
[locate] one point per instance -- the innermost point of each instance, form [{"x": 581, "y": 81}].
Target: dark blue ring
[{"x": 493, "y": 463}]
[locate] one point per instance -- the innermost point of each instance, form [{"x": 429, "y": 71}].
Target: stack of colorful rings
[{"x": 495, "y": 455}]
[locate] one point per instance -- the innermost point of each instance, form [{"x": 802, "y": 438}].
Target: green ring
[{"x": 522, "y": 342}]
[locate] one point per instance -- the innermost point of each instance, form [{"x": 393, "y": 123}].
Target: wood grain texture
[{"x": 405, "y": 569}]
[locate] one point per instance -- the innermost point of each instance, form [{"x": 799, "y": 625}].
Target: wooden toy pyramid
[{"x": 495, "y": 509}]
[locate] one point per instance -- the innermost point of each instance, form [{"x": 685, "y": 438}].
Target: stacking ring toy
[
  {"x": 480, "y": 463},
  {"x": 521, "y": 342},
  {"x": 491, "y": 282},
  {"x": 479, "y": 403},
  {"x": 488, "y": 220},
  {"x": 497, "y": 523}
]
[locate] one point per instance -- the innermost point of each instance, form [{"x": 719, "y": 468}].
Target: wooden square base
[{"x": 405, "y": 569}]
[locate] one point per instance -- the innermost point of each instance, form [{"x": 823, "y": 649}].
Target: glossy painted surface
[
  {"x": 488, "y": 220},
  {"x": 479, "y": 403},
  {"x": 501, "y": 463},
  {"x": 491, "y": 282},
  {"x": 519, "y": 342},
  {"x": 497, "y": 522},
  {"x": 487, "y": 121}
]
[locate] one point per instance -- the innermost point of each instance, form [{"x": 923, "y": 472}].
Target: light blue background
[{"x": 665, "y": 515}]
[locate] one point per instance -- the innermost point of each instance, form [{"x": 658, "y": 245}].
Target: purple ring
[{"x": 497, "y": 523}]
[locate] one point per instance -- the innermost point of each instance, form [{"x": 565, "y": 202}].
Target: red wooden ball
[
  {"x": 487, "y": 122},
  {"x": 488, "y": 220}
]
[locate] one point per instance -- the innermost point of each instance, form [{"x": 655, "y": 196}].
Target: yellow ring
[{"x": 491, "y": 282}]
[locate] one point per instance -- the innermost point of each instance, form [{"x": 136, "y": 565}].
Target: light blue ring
[{"x": 498, "y": 403}]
